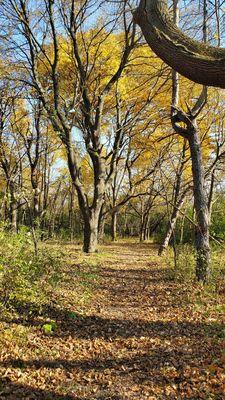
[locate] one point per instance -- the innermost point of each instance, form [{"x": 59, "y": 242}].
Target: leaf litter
[{"x": 128, "y": 332}]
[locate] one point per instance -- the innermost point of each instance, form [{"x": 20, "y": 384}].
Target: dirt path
[{"x": 141, "y": 338}]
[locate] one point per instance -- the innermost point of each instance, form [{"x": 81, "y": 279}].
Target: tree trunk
[
  {"x": 141, "y": 232},
  {"x": 182, "y": 230},
  {"x": 101, "y": 223},
  {"x": 171, "y": 224},
  {"x": 146, "y": 224},
  {"x": 91, "y": 233},
  {"x": 91, "y": 217},
  {"x": 71, "y": 213},
  {"x": 114, "y": 226},
  {"x": 13, "y": 208},
  {"x": 141, "y": 229},
  {"x": 14, "y": 216},
  {"x": 211, "y": 192},
  {"x": 36, "y": 207},
  {"x": 101, "y": 228},
  {"x": 91, "y": 213},
  {"x": 201, "y": 209}
]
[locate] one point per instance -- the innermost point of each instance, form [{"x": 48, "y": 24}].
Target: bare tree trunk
[
  {"x": 141, "y": 229},
  {"x": 146, "y": 228},
  {"x": 101, "y": 223},
  {"x": 36, "y": 204},
  {"x": 210, "y": 198},
  {"x": 125, "y": 223},
  {"x": 71, "y": 213},
  {"x": 13, "y": 208},
  {"x": 101, "y": 228},
  {"x": 201, "y": 209},
  {"x": 200, "y": 198},
  {"x": 171, "y": 224},
  {"x": 91, "y": 218},
  {"x": 182, "y": 229},
  {"x": 91, "y": 233},
  {"x": 141, "y": 232},
  {"x": 146, "y": 223},
  {"x": 114, "y": 226}
]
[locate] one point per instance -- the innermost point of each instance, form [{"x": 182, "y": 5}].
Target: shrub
[
  {"x": 24, "y": 276},
  {"x": 183, "y": 263}
]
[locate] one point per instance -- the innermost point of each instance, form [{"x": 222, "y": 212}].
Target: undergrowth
[
  {"x": 29, "y": 282},
  {"x": 182, "y": 263},
  {"x": 24, "y": 275}
]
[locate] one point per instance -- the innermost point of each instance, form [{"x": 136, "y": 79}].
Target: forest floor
[{"x": 127, "y": 331}]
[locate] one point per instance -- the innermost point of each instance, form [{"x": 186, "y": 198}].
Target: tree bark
[
  {"x": 36, "y": 204},
  {"x": 101, "y": 228},
  {"x": 91, "y": 233},
  {"x": 144, "y": 231},
  {"x": 146, "y": 227},
  {"x": 91, "y": 215},
  {"x": 13, "y": 208},
  {"x": 199, "y": 62},
  {"x": 171, "y": 224},
  {"x": 201, "y": 209},
  {"x": 101, "y": 223},
  {"x": 211, "y": 192},
  {"x": 114, "y": 226},
  {"x": 71, "y": 213}
]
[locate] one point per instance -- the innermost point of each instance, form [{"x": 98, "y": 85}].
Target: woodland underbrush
[
  {"x": 32, "y": 280},
  {"x": 181, "y": 260}
]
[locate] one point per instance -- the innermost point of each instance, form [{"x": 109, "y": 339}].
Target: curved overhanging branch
[{"x": 196, "y": 61}]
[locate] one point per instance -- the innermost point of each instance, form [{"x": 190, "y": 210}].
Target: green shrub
[
  {"x": 182, "y": 263},
  {"x": 24, "y": 276}
]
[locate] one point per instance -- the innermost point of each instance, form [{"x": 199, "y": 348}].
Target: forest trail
[{"x": 141, "y": 336}]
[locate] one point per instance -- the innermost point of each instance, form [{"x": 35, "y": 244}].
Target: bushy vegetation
[
  {"x": 24, "y": 275},
  {"x": 181, "y": 261}
]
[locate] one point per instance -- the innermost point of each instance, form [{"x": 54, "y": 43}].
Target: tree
[
  {"x": 11, "y": 154},
  {"x": 177, "y": 50},
  {"x": 196, "y": 61},
  {"x": 64, "y": 47}
]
